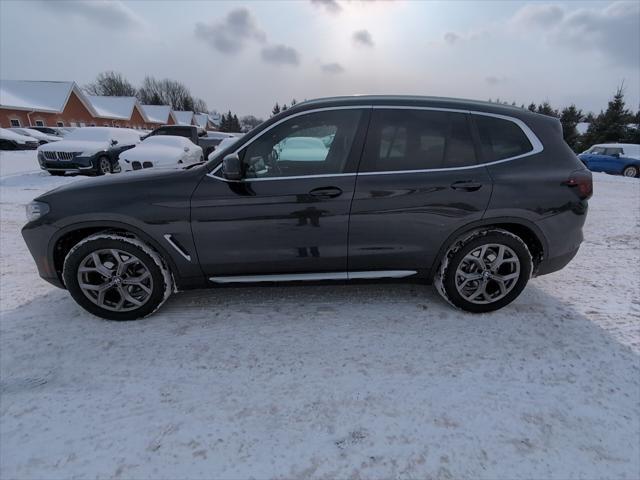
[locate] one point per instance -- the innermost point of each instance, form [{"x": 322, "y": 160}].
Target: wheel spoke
[{"x": 99, "y": 266}]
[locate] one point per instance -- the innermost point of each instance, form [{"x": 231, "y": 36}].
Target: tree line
[
  {"x": 616, "y": 124},
  {"x": 151, "y": 92}
]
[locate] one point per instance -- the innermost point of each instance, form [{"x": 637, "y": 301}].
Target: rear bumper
[{"x": 564, "y": 236}]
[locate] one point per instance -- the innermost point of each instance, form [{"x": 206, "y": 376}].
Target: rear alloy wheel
[
  {"x": 104, "y": 166},
  {"x": 630, "y": 171},
  {"x": 486, "y": 272},
  {"x": 116, "y": 277}
]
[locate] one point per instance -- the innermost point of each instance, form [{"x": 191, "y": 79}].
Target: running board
[{"x": 310, "y": 277}]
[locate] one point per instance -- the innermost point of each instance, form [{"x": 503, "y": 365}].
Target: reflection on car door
[{"x": 289, "y": 215}]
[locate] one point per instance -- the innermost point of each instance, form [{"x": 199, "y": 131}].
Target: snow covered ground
[{"x": 361, "y": 381}]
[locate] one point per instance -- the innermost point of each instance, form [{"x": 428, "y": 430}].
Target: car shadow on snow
[{"x": 376, "y": 374}]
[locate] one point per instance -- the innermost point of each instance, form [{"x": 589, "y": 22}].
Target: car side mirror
[
  {"x": 232, "y": 167},
  {"x": 114, "y": 142}
]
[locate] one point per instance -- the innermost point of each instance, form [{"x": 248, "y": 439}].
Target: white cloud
[
  {"x": 109, "y": 14},
  {"x": 332, "y": 68},
  {"x": 280, "y": 55},
  {"x": 231, "y": 34},
  {"x": 613, "y": 31},
  {"x": 363, "y": 37}
]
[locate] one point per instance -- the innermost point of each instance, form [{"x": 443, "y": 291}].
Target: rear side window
[
  {"x": 500, "y": 138},
  {"x": 417, "y": 140}
]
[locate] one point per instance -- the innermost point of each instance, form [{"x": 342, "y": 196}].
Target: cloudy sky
[{"x": 245, "y": 56}]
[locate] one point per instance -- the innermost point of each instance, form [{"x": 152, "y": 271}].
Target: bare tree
[
  {"x": 111, "y": 84},
  {"x": 168, "y": 92},
  {"x": 199, "y": 105}
]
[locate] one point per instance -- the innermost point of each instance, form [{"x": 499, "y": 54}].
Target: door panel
[
  {"x": 418, "y": 181},
  {"x": 272, "y": 227},
  {"x": 400, "y": 220},
  {"x": 290, "y": 213}
]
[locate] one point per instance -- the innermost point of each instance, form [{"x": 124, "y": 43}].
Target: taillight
[{"x": 582, "y": 181}]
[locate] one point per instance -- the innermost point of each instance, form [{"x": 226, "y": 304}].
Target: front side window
[
  {"x": 417, "y": 140},
  {"x": 312, "y": 144},
  {"x": 501, "y": 138}
]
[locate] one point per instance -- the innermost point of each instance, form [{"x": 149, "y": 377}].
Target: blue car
[{"x": 613, "y": 158}]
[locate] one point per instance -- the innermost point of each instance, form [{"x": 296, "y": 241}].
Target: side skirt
[{"x": 311, "y": 277}]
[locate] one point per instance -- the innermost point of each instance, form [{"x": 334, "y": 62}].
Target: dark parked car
[
  {"x": 87, "y": 150},
  {"x": 474, "y": 196}
]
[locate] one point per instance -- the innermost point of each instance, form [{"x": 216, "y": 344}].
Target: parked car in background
[
  {"x": 41, "y": 137},
  {"x": 88, "y": 150},
  {"x": 14, "y": 141},
  {"x": 225, "y": 143},
  {"x": 613, "y": 158},
  {"x": 475, "y": 197},
  {"x": 57, "y": 131},
  {"x": 161, "y": 151},
  {"x": 199, "y": 136}
]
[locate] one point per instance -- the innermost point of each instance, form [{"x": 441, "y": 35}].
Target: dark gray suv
[{"x": 475, "y": 197}]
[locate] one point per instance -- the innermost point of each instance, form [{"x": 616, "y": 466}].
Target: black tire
[
  {"x": 159, "y": 282},
  {"x": 104, "y": 166},
  {"x": 630, "y": 171},
  {"x": 55, "y": 173},
  {"x": 445, "y": 280}
]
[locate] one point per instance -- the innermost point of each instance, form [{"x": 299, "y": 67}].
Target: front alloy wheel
[{"x": 116, "y": 277}]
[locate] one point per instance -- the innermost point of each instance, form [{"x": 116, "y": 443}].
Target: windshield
[{"x": 90, "y": 134}]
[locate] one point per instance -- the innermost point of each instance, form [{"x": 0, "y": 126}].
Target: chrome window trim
[
  {"x": 536, "y": 144},
  {"x": 310, "y": 277}
]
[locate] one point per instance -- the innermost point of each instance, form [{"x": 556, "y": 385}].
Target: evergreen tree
[
  {"x": 569, "y": 119},
  {"x": 610, "y": 125},
  {"x": 284, "y": 107},
  {"x": 546, "y": 109},
  {"x": 293, "y": 102},
  {"x": 276, "y": 109},
  {"x": 236, "y": 124},
  {"x": 532, "y": 107}
]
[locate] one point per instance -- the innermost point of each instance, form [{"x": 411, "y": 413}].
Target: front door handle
[
  {"x": 466, "y": 185},
  {"x": 326, "y": 192}
]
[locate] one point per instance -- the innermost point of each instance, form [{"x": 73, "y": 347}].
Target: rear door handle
[
  {"x": 466, "y": 185},
  {"x": 326, "y": 192}
]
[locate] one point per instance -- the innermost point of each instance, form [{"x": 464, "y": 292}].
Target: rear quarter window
[
  {"x": 405, "y": 140},
  {"x": 500, "y": 138}
]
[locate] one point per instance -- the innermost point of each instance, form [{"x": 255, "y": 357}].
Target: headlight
[{"x": 35, "y": 210}]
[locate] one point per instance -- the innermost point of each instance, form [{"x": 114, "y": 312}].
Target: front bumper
[
  {"x": 37, "y": 236},
  {"x": 77, "y": 165}
]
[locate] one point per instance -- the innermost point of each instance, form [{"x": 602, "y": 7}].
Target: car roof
[{"x": 416, "y": 101}]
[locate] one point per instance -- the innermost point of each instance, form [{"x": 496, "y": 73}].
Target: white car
[
  {"x": 41, "y": 137},
  {"x": 14, "y": 141},
  {"x": 161, "y": 151}
]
